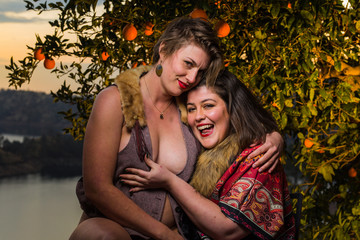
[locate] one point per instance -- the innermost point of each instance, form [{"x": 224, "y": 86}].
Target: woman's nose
[
  {"x": 199, "y": 115},
  {"x": 191, "y": 76}
]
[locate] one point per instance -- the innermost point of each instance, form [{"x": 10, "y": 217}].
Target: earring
[{"x": 159, "y": 70}]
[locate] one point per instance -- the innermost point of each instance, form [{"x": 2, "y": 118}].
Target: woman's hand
[
  {"x": 157, "y": 177},
  {"x": 272, "y": 149}
]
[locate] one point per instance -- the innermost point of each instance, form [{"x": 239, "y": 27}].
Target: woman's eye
[
  {"x": 188, "y": 64},
  {"x": 191, "y": 109},
  {"x": 208, "y": 105}
]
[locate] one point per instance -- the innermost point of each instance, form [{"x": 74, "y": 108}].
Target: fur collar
[
  {"x": 213, "y": 163},
  {"x": 131, "y": 98}
]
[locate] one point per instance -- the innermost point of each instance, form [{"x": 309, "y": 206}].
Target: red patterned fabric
[{"x": 257, "y": 201}]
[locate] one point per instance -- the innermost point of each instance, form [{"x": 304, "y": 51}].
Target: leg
[{"x": 99, "y": 229}]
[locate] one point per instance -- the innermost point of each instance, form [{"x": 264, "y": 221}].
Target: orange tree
[{"x": 299, "y": 57}]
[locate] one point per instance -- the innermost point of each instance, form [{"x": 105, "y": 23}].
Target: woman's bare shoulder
[
  {"x": 108, "y": 97},
  {"x": 107, "y": 104}
]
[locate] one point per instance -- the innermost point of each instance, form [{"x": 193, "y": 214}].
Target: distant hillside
[
  {"x": 30, "y": 113},
  {"x": 33, "y": 113}
]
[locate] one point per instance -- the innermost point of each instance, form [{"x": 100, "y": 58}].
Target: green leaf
[
  {"x": 312, "y": 92},
  {"x": 337, "y": 66},
  {"x": 307, "y": 15},
  {"x": 327, "y": 171},
  {"x": 301, "y": 135},
  {"x": 312, "y": 108},
  {"x": 289, "y": 103},
  {"x": 275, "y": 9},
  {"x": 260, "y": 35},
  {"x": 331, "y": 139},
  {"x": 284, "y": 121},
  {"x": 357, "y": 25}
]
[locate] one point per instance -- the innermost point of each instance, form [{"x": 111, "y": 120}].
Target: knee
[
  {"x": 109, "y": 235},
  {"x": 98, "y": 235},
  {"x": 99, "y": 229}
]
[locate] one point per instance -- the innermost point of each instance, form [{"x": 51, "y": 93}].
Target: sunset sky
[{"x": 18, "y": 28}]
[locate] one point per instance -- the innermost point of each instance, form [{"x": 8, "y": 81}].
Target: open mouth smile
[{"x": 206, "y": 129}]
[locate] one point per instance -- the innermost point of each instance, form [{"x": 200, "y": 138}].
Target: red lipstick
[{"x": 183, "y": 85}]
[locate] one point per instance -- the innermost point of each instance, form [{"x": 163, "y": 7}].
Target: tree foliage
[{"x": 300, "y": 57}]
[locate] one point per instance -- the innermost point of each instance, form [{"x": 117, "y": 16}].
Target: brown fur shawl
[
  {"x": 213, "y": 163},
  {"x": 131, "y": 98}
]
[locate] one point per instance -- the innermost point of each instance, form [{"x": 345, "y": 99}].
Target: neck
[
  {"x": 151, "y": 87},
  {"x": 155, "y": 98}
]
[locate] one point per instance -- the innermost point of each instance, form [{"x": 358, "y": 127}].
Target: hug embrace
[{"x": 178, "y": 151}]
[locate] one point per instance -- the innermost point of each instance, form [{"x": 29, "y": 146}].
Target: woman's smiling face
[
  {"x": 184, "y": 68},
  {"x": 207, "y": 116}
]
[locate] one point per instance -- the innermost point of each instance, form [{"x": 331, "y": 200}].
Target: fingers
[
  {"x": 134, "y": 176},
  {"x": 262, "y": 149},
  {"x": 136, "y": 171},
  {"x": 149, "y": 162},
  {"x": 256, "y": 143},
  {"x": 277, "y": 161},
  {"x": 133, "y": 183},
  {"x": 268, "y": 165},
  {"x": 268, "y": 161},
  {"x": 262, "y": 160},
  {"x": 255, "y": 153},
  {"x": 133, "y": 179},
  {"x": 136, "y": 189}
]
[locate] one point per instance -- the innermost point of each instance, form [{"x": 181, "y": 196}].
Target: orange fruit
[
  {"x": 49, "y": 63},
  {"x": 352, "y": 172},
  {"x": 149, "y": 28},
  {"x": 104, "y": 56},
  {"x": 134, "y": 65},
  {"x": 38, "y": 54},
  {"x": 308, "y": 143},
  {"x": 129, "y": 32},
  {"x": 227, "y": 63},
  {"x": 199, "y": 13},
  {"x": 218, "y": 4},
  {"x": 222, "y": 28},
  {"x": 289, "y": 5}
]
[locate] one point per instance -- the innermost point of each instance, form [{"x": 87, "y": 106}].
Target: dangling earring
[{"x": 158, "y": 70}]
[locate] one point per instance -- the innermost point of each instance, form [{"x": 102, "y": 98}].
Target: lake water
[{"x": 34, "y": 208}]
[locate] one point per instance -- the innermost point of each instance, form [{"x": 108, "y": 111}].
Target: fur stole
[
  {"x": 131, "y": 98},
  {"x": 213, "y": 163}
]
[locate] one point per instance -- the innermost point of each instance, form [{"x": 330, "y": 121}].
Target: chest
[{"x": 167, "y": 141}]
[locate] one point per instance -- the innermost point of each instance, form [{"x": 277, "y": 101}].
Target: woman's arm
[
  {"x": 272, "y": 149},
  {"x": 205, "y": 214},
  {"x": 101, "y": 145}
]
